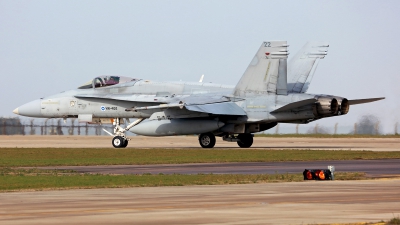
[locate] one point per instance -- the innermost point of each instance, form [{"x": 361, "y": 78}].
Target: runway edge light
[
  {"x": 332, "y": 169},
  {"x": 319, "y": 174}
]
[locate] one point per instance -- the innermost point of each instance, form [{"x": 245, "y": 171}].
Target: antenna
[{"x": 201, "y": 78}]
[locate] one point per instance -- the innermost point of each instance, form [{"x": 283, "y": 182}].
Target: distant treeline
[
  {"x": 367, "y": 124},
  {"x": 14, "y": 126}
]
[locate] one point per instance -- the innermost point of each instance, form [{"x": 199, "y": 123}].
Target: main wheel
[
  {"x": 207, "y": 140},
  {"x": 245, "y": 140},
  {"x": 118, "y": 142}
]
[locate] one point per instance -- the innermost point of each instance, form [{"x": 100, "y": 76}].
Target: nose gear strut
[{"x": 120, "y": 140}]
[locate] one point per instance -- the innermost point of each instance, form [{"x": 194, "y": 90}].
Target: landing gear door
[{"x": 85, "y": 118}]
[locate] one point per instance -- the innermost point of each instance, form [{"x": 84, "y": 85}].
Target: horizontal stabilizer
[
  {"x": 295, "y": 105},
  {"x": 223, "y": 108},
  {"x": 362, "y": 101}
]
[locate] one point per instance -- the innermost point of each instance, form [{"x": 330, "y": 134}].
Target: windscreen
[{"x": 105, "y": 81}]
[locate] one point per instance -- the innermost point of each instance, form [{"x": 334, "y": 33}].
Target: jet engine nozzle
[
  {"x": 326, "y": 107},
  {"x": 344, "y": 106}
]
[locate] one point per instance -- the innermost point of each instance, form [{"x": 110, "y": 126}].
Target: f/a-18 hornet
[{"x": 268, "y": 93}]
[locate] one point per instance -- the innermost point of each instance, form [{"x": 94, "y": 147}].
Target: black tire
[
  {"x": 118, "y": 142},
  {"x": 207, "y": 140},
  {"x": 125, "y": 144},
  {"x": 245, "y": 140}
]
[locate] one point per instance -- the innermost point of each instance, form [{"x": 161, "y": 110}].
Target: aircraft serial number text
[{"x": 104, "y": 108}]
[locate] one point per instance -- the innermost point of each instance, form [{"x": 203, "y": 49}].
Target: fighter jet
[{"x": 268, "y": 93}]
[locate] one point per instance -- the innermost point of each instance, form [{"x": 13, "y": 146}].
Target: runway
[
  {"x": 308, "y": 202},
  {"x": 373, "y": 168},
  {"x": 52, "y": 141},
  {"x": 270, "y": 203}
]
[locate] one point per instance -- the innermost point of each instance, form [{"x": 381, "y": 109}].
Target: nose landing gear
[{"x": 120, "y": 140}]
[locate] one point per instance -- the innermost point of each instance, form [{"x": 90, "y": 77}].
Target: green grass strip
[
  {"x": 17, "y": 157},
  {"x": 393, "y": 221},
  {"x": 34, "y": 179}
]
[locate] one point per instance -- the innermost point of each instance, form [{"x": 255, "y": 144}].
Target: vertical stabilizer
[
  {"x": 281, "y": 86},
  {"x": 267, "y": 72},
  {"x": 302, "y": 66}
]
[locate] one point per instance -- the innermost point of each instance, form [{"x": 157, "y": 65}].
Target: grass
[
  {"x": 39, "y": 179},
  {"x": 393, "y": 221},
  {"x": 33, "y": 157},
  {"x": 12, "y": 179},
  {"x": 329, "y": 135}
]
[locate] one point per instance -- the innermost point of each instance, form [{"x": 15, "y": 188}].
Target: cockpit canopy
[{"x": 105, "y": 81}]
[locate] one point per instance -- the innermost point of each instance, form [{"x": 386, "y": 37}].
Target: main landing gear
[
  {"x": 245, "y": 140},
  {"x": 120, "y": 140},
  {"x": 207, "y": 140}
]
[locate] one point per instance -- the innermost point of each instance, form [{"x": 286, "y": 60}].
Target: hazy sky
[{"x": 50, "y": 46}]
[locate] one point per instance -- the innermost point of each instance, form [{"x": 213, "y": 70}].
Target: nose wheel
[
  {"x": 119, "y": 142},
  {"x": 119, "y": 139}
]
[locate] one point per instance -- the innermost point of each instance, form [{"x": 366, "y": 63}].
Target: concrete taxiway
[
  {"x": 271, "y": 203},
  {"x": 372, "y": 168},
  {"x": 51, "y": 141}
]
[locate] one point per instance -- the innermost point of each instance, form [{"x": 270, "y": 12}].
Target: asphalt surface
[
  {"x": 308, "y": 202},
  {"x": 373, "y": 168},
  {"x": 64, "y": 141}
]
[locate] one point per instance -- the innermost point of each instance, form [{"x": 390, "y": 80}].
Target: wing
[
  {"x": 213, "y": 104},
  {"x": 187, "y": 99},
  {"x": 127, "y": 97},
  {"x": 223, "y": 108},
  {"x": 208, "y": 103},
  {"x": 302, "y": 66}
]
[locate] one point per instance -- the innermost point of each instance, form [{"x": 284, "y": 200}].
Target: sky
[{"x": 51, "y": 46}]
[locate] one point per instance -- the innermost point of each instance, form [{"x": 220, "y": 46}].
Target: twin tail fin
[{"x": 267, "y": 72}]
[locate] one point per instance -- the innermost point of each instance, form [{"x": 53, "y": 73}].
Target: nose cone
[
  {"x": 15, "y": 111},
  {"x": 31, "y": 109}
]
